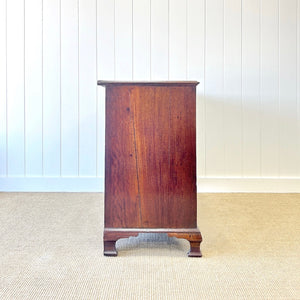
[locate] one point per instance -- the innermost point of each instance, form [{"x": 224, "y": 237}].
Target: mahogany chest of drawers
[{"x": 150, "y": 161}]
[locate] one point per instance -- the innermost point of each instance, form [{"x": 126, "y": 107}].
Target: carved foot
[
  {"x": 195, "y": 249},
  {"x": 194, "y": 237},
  {"x": 110, "y": 237},
  {"x": 110, "y": 248}
]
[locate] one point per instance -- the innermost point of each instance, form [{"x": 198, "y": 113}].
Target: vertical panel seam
[
  {"x": 132, "y": 117},
  {"x": 169, "y": 141}
]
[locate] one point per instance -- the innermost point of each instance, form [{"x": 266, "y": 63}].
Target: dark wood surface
[
  {"x": 150, "y": 161},
  {"x": 147, "y": 83}
]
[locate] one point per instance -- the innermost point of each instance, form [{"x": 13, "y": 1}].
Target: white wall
[{"x": 246, "y": 54}]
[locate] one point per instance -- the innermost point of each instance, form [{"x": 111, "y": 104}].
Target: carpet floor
[{"x": 51, "y": 248}]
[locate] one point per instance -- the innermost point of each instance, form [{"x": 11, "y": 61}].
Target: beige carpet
[{"x": 51, "y": 248}]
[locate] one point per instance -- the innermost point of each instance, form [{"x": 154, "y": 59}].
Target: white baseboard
[
  {"x": 96, "y": 184},
  {"x": 51, "y": 184},
  {"x": 248, "y": 185}
]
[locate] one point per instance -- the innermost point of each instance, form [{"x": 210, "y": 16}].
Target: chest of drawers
[{"x": 150, "y": 161}]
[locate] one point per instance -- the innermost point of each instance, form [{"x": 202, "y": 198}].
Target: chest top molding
[{"x": 148, "y": 83}]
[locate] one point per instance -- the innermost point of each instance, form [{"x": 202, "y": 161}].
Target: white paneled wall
[{"x": 245, "y": 53}]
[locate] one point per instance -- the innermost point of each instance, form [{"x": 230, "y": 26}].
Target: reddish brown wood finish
[{"x": 150, "y": 161}]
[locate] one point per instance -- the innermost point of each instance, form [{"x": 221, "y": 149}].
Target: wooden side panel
[
  {"x": 182, "y": 191},
  {"x": 151, "y": 113},
  {"x": 150, "y": 157},
  {"x": 121, "y": 184}
]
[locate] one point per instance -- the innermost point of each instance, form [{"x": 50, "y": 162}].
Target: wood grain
[
  {"x": 150, "y": 161},
  {"x": 122, "y": 203}
]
